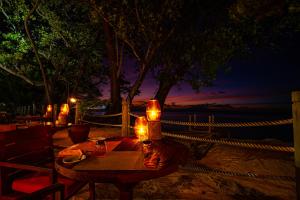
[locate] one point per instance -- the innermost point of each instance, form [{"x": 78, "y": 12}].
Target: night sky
[{"x": 263, "y": 77}]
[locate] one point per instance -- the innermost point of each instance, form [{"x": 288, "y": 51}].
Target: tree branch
[
  {"x": 35, "y": 49},
  {"x": 134, "y": 51},
  {"x": 24, "y": 78},
  {"x": 125, "y": 40},
  {"x": 139, "y": 19},
  {"x": 7, "y": 17}
]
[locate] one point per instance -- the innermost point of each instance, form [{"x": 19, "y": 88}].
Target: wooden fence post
[
  {"x": 77, "y": 112},
  {"x": 190, "y": 121},
  {"x": 54, "y": 114},
  {"x": 23, "y": 110},
  {"x": 209, "y": 121},
  {"x": 125, "y": 118},
  {"x": 212, "y": 121},
  {"x": 296, "y": 127},
  {"x": 28, "y": 110},
  {"x": 195, "y": 119},
  {"x": 43, "y": 109},
  {"x": 33, "y": 109}
]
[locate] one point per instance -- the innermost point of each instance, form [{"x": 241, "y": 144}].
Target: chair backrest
[
  {"x": 32, "y": 145},
  {"x": 7, "y": 127}
]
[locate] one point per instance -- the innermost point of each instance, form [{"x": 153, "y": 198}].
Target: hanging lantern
[
  {"x": 153, "y": 110},
  {"x": 49, "y": 108},
  {"x": 64, "y": 109},
  {"x": 141, "y": 128}
]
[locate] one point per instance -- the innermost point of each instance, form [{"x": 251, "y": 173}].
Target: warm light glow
[
  {"x": 62, "y": 119},
  {"x": 64, "y": 109},
  {"x": 153, "y": 110},
  {"x": 141, "y": 128},
  {"x": 73, "y": 100},
  {"x": 49, "y": 108}
]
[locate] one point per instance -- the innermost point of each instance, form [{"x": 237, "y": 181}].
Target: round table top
[{"x": 124, "y": 162}]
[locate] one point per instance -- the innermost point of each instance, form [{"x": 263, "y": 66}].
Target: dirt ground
[{"x": 274, "y": 173}]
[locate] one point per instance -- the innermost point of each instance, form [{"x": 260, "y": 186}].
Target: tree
[
  {"x": 144, "y": 26},
  {"x": 77, "y": 49},
  {"x": 207, "y": 41},
  {"x": 42, "y": 68},
  {"x": 201, "y": 44},
  {"x": 115, "y": 58},
  {"x": 68, "y": 42}
]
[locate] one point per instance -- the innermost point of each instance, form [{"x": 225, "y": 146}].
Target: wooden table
[{"x": 124, "y": 163}]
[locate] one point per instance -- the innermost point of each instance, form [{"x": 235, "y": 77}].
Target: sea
[{"x": 284, "y": 133}]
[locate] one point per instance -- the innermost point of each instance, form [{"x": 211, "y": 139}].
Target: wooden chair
[{"x": 27, "y": 166}]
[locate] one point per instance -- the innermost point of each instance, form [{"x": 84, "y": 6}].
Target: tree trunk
[
  {"x": 115, "y": 91},
  {"x": 163, "y": 91},
  {"x": 36, "y": 51},
  {"x": 134, "y": 89}
]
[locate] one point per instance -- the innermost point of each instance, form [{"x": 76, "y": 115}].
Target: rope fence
[
  {"x": 102, "y": 124},
  {"x": 241, "y": 124},
  {"x": 232, "y": 143},
  {"x": 295, "y": 121},
  {"x": 105, "y": 116},
  {"x": 134, "y": 115}
]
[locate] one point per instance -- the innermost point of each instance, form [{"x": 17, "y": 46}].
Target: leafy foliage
[
  {"x": 210, "y": 34},
  {"x": 69, "y": 43}
]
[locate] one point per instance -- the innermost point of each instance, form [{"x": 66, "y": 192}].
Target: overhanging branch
[{"x": 24, "y": 78}]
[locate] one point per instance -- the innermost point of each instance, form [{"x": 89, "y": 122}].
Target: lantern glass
[
  {"x": 64, "y": 109},
  {"x": 153, "y": 110},
  {"x": 141, "y": 128},
  {"x": 49, "y": 108}
]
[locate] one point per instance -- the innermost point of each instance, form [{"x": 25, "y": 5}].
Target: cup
[
  {"x": 101, "y": 148},
  {"x": 147, "y": 148}
]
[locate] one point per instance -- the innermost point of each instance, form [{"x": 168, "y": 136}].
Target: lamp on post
[
  {"x": 63, "y": 114},
  {"x": 64, "y": 109},
  {"x": 49, "y": 108},
  {"x": 141, "y": 128},
  {"x": 48, "y": 115},
  {"x": 153, "y": 113}
]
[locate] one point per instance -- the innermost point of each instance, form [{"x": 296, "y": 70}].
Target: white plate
[
  {"x": 73, "y": 159},
  {"x": 95, "y": 139}
]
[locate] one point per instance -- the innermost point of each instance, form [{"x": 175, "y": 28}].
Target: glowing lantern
[
  {"x": 153, "y": 110},
  {"x": 64, "y": 109},
  {"x": 49, "y": 108},
  {"x": 48, "y": 123},
  {"x": 141, "y": 128},
  {"x": 73, "y": 100},
  {"x": 62, "y": 119}
]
